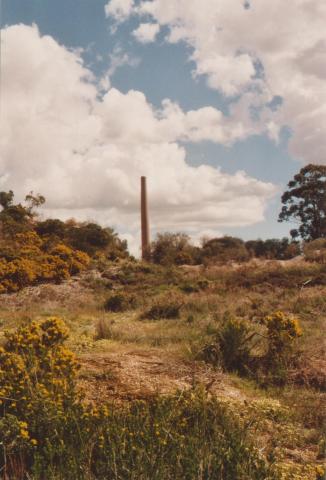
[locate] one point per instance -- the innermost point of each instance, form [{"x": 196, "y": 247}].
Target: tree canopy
[{"x": 305, "y": 203}]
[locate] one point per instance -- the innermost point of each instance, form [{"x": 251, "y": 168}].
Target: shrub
[
  {"x": 92, "y": 239},
  {"x": 315, "y": 251},
  {"x": 282, "y": 331},
  {"x": 232, "y": 346},
  {"x": 120, "y": 302},
  {"x": 189, "y": 287},
  {"x": 185, "y": 436},
  {"x": 37, "y": 390},
  {"x": 273, "y": 248},
  {"x": 224, "y": 249},
  {"x": 174, "y": 249},
  {"x": 32, "y": 263},
  {"x": 164, "y": 308},
  {"x": 192, "y": 287},
  {"x": 47, "y": 432}
]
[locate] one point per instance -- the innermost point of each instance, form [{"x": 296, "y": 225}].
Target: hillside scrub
[
  {"x": 126, "y": 358},
  {"x": 34, "y": 251},
  {"x": 177, "y": 249},
  {"x": 29, "y": 261}
]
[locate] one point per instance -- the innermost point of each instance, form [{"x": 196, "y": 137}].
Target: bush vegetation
[
  {"x": 244, "y": 318},
  {"x": 232, "y": 347},
  {"x": 166, "y": 307},
  {"x": 120, "y": 302},
  {"x": 315, "y": 251},
  {"x": 177, "y": 249},
  {"x": 34, "y": 251},
  {"x": 47, "y": 431},
  {"x": 264, "y": 354},
  {"x": 30, "y": 260}
]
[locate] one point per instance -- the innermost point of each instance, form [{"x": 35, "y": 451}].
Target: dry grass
[{"x": 126, "y": 356}]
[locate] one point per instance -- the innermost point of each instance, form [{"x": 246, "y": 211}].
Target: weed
[{"x": 103, "y": 329}]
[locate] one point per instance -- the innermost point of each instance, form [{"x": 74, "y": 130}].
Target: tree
[
  {"x": 91, "y": 238},
  {"x": 225, "y": 249},
  {"x": 6, "y": 199},
  {"x": 273, "y": 248},
  {"x": 173, "y": 249},
  {"x": 33, "y": 201},
  {"x": 305, "y": 203},
  {"x": 16, "y": 218}
]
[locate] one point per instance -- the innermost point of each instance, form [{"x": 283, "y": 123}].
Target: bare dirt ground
[
  {"x": 142, "y": 374},
  {"x": 65, "y": 294}
]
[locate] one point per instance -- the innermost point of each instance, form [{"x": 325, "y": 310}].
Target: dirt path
[{"x": 138, "y": 374}]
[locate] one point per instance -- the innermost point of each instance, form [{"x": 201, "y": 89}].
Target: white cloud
[
  {"x": 86, "y": 154},
  {"x": 119, "y": 9},
  {"x": 269, "y": 48},
  {"x": 117, "y": 59},
  {"x": 146, "y": 32}
]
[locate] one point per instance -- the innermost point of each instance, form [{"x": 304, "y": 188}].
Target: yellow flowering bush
[
  {"x": 37, "y": 386},
  {"x": 282, "y": 330},
  {"x": 46, "y": 431},
  {"x": 30, "y": 262},
  {"x": 290, "y": 471},
  {"x": 35, "y": 368}
]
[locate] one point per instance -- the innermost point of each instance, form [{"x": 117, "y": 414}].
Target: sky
[{"x": 218, "y": 102}]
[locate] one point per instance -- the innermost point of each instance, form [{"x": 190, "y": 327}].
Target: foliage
[
  {"x": 33, "y": 251},
  {"x": 176, "y": 249},
  {"x": 305, "y": 203},
  {"x": 185, "y": 436},
  {"x": 120, "y": 302},
  {"x": 87, "y": 237},
  {"x": 282, "y": 330},
  {"x": 294, "y": 276},
  {"x": 92, "y": 238},
  {"x": 37, "y": 390},
  {"x": 224, "y": 249},
  {"x": 191, "y": 287},
  {"x": 173, "y": 249},
  {"x": 51, "y": 227},
  {"x": 315, "y": 251},
  {"x": 273, "y": 248},
  {"x": 28, "y": 262},
  {"x": 47, "y": 432},
  {"x": 18, "y": 218},
  {"x": 103, "y": 328},
  {"x": 232, "y": 346},
  {"x": 166, "y": 307}
]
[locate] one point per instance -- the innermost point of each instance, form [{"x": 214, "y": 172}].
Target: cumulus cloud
[
  {"x": 85, "y": 153},
  {"x": 146, "y": 32},
  {"x": 271, "y": 48},
  {"x": 119, "y": 9}
]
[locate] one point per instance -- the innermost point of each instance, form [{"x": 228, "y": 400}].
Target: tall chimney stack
[{"x": 145, "y": 241}]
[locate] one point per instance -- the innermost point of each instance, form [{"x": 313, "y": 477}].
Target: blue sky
[{"x": 185, "y": 71}]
